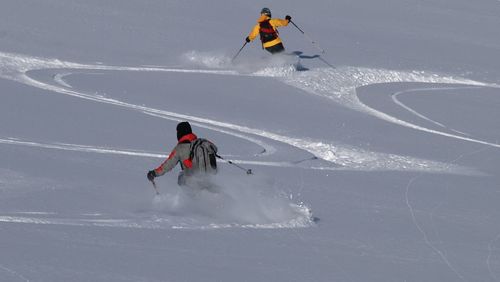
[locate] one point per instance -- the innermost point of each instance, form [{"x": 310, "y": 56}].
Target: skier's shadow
[{"x": 301, "y": 55}]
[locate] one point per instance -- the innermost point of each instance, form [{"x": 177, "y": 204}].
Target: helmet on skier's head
[
  {"x": 266, "y": 11},
  {"x": 183, "y": 128}
]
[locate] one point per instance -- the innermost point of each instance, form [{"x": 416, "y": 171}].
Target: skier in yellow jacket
[{"x": 266, "y": 27}]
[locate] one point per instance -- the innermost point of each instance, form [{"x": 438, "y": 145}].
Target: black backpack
[
  {"x": 204, "y": 156},
  {"x": 267, "y": 32}
]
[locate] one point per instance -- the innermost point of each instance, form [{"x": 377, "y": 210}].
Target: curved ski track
[
  {"x": 146, "y": 222},
  {"x": 339, "y": 85},
  {"x": 396, "y": 100}
]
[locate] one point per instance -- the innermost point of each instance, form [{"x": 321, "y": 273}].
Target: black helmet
[
  {"x": 266, "y": 11},
  {"x": 183, "y": 128}
]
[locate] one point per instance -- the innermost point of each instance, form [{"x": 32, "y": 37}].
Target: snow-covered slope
[{"x": 375, "y": 161}]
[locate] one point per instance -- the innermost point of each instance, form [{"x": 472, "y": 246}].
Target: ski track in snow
[
  {"x": 396, "y": 100},
  {"x": 80, "y": 148},
  {"x": 302, "y": 219},
  {"x": 425, "y": 236},
  {"x": 340, "y": 86},
  {"x": 138, "y": 153},
  {"x": 14, "y": 273},
  {"x": 336, "y": 84},
  {"x": 59, "y": 78}
]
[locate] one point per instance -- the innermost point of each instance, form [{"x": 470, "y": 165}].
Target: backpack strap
[
  {"x": 194, "y": 145},
  {"x": 189, "y": 161}
]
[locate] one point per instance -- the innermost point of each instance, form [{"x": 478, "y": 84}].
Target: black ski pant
[{"x": 276, "y": 48}]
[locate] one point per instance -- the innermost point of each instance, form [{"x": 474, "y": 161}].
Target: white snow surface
[{"x": 374, "y": 161}]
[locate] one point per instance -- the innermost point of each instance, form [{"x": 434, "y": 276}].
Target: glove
[
  {"x": 288, "y": 18},
  {"x": 247, "y": 39},
  {"x": 151, "y": 175}
]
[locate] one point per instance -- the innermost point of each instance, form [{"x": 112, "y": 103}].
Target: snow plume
[
  {"x": 276, "y": 71},
  {"x": 278, "y": 65},
  {"x": 206, "y": 59},
  {"x": 340, "y": 84},
  {"x": 231, "y": 201},
  {"x": 269, "y": 65}
]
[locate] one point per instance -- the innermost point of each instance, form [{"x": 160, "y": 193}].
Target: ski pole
[
  {"x": 239, "y": 51},
  {"x": 248, "y": 171},
  {"x": 154, "y": 186},
  {"x": 310, "y": 39}
]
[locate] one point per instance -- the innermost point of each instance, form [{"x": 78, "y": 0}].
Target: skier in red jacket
[{"x": 191, "y": 160}]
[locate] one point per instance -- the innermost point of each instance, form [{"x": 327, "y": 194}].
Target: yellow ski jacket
[{"x": 275, "y": 23}]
